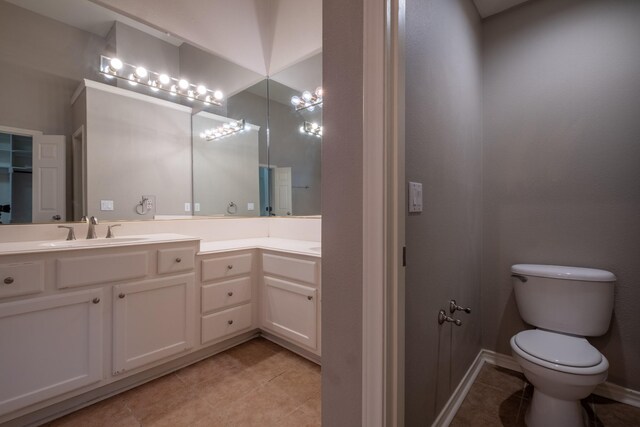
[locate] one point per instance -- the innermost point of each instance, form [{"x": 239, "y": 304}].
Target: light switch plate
[
  {"x": 250, "y": 206},
  {"x": 415, "y": 197},
  {"x": 106, "y": 205}
]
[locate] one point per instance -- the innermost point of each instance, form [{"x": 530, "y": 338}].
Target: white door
[
  {"x": 282, "y": 191},
  {"x": 49, "y": 191},
  {"x": 152, "y": 320},
  {"x": 290, "y": 310},
  {"x": 49, "y": 346}
]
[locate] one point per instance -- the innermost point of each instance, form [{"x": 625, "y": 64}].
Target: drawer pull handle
[
  {"x": 309, "y": 298},
  {"x": 8, "y": 280},
  {"x": 95, "y": 300},
  {"x": 121, "y": 295},
  {"x": 229, "y": 267},
  {"x": 178, "y": 259},
  {"x": 230, "y": 322},
  {"x": 230, "y": 293}
]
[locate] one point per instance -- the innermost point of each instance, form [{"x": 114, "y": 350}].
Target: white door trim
[{"x": 383, "y": 214}]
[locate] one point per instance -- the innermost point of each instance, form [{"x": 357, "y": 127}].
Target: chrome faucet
[
  {"x": 70, "y": 235},
  {"x": 91, "y": 232}
]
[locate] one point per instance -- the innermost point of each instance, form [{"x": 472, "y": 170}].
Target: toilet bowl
[
  {"x": 563, "y": 370},
  {"x": 566, "y": 304}
]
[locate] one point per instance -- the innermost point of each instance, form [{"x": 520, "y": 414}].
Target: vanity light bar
[
  {"x": 224, "y": 130},
  {"x": 308, "y": 100},
  {"x": 311, "y": 129},
  {"x": 115, "y": 68}
]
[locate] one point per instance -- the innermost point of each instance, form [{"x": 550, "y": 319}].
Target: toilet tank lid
[{"x": 564, "y": 273}]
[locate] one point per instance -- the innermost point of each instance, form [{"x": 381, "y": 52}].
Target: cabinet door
[
  {"x": 49, "y": 346},
  {"x": 152, "y": 320},
  {"x": 290, "y": 309}
]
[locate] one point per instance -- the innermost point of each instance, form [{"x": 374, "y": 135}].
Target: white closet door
[
  {"x": 282, "y": 192},
  {"x": 49, "y": 192}
]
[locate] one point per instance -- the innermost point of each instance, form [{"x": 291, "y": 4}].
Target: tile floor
[
  {"x": 255, "y": 384},
  {"x": 499, "y": 397}
]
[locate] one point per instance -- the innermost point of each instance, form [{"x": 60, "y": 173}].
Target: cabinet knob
[
  {"x": 95, "y": 300},
  {"x": 8, "y": 280},
  {"x": 121, "y": 295},
  {"x": 230, "y": 293},
  {"x": 230, "y": 322},
  {"x": 229, "y": 267},
  {"x": 178, "y": 259},
  {"x": 309, "y": 298}
]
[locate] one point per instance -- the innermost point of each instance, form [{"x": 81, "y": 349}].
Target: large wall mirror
[{"x": 82, "y": 134}]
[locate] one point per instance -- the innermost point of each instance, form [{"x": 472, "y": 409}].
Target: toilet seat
[{"x": 559, "y": 352}]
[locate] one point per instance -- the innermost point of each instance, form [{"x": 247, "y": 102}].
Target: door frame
[{"x": 383, "y": 214}]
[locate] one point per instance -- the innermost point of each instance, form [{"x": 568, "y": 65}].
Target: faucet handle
[
  {"x": 71, "y": 235},
  {"x": 93, "y": 220},
  {"x": 110, "y": 234},
  {"x": 84, "y": 218}
]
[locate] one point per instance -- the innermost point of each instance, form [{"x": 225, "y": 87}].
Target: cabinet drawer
[
  {"x": 218, "y": 325},
  {"x": 229, "y": 266},
  {"x": 21, "y": 279},
  {"x": 226, "y": 294},
  {"x": 91, "y": 270},
  {"x": 175, "y": 260},
  {"x": 292, "y": 268}
]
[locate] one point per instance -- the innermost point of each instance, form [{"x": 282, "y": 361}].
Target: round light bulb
[
  {"x": 183, "y": 84},
  {"x": 141, "y": 72},
  {"x": 319, "y": 91},
  {"x": 301, "y": 129},
  {"x": 306, "y": 95},
  {"x": 295, "y": 100},
  {"x": 115, "y": 64},
  {"x": 164, "y": 79},
  {"x": 218, "y": 95},
  {"x": 314, "y": 126},
  {"x": 201, "y": 89}
]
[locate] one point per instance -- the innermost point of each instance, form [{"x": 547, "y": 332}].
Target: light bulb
[
  {"x": 226, "y": 125},
  {"x": 302, "y": 129},
  {"x": 218, "y": 95},
  {"x": 115, "y": 64},
  {"x": 314, "y": 126},
  {"x": 319, "y": 92},
  {"x": 208, "y": 132},
  {"x": 183, "y": 84},
  {"x": 295, "y": 100},
  {"x": 141, "y": 72},
  {"x": 164, "y": 79},
  {"x": 201, "y": 89},
  {"x": 202, "y": 135},
  {"x": 306, "y": 95}
]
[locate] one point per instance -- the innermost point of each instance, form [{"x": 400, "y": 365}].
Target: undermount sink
[{"x": 92, "y": 242}]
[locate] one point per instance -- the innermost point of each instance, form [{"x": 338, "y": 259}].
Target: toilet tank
[{"x": 572, "y": 300}]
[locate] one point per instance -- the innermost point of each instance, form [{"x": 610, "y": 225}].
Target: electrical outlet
[
  {"x": 150, "y": 203},
  {"x": 106, "y": 205},
  {"x": 196, "y": 207},
  {"x": 415, "y": 197},
  {"x": 250, "y": 206},
  {"x": 187, "y": 207}
]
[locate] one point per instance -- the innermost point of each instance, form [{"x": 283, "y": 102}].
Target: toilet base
[{"x": 547, "y": 411}]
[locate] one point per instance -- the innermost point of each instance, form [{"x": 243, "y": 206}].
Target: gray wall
[
  {"x": 136, "y": 148},
  {"x": 444, "y": 153},
  {"x": 342, "y": 214},
  {"x": 562, "y": 159}
]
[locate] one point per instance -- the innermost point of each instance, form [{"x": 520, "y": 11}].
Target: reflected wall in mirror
[{"x": 125, "y": 157}]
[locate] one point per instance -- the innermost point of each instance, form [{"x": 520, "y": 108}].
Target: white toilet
[{"x": 565, "y": 304}]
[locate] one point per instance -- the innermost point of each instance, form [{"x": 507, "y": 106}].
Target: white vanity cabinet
[
  {"x": 152, "y": 320},
  {"x": 290, "y": 298},
  {"x": 49, "y": 346},
  {"x": 227, "y": 295}
]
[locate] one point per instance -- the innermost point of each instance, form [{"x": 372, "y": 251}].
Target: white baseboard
[
  {"x": 453, "y": 404},
  {"x": 607, "y": 389}
]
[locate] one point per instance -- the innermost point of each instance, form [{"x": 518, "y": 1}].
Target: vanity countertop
[
  {"x": 11, "y": 248},
  {"x": 300, "y": 247}
]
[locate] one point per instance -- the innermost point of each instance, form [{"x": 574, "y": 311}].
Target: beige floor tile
[
  {"x": 109, "y": 412},
  {"x": 611, "y": 413},
  {"x": 299, "y": 418},
  {"x": 222, "y": 392},
  {"x": 488, "y": 406},
  {"x": 300, "y": 385},
  {"x": 504, "y": 379},
  {"x": 217, "y": 366},
  {"x": 191, "y": 413}
]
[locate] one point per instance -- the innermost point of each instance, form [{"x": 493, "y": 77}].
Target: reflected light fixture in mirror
[
  {"x": 115, "y": 68},
  {"x": 311, "y": 128},
  {"x": 307, "y": 100},
  {"x": 226, "y": 129}
]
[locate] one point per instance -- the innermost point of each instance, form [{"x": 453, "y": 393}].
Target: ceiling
[{"x": 491, "y": 7}]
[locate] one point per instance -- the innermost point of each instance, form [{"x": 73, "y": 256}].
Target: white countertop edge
[
  {"x": 29, "y": 247},
  {"x": 298, "y": 247}
]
